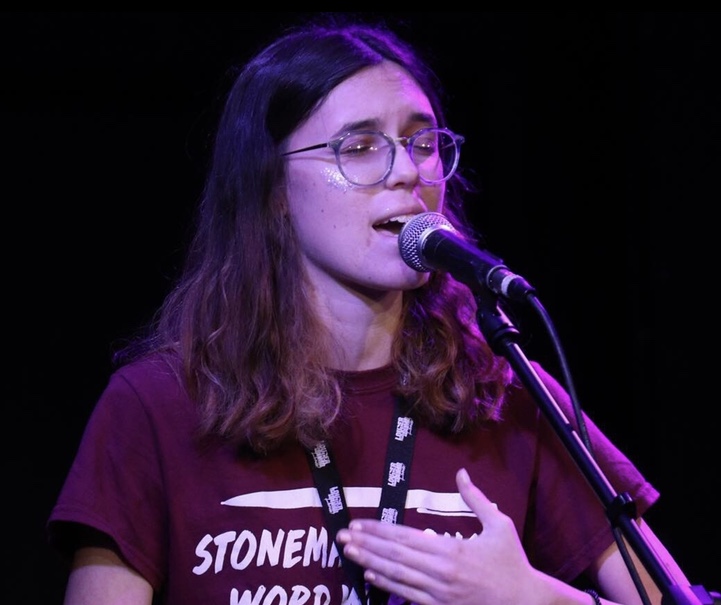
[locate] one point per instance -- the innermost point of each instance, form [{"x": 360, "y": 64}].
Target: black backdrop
[{"x": 593, "y": 137}]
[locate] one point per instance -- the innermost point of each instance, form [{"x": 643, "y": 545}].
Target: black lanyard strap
[
  {"x": 393, "y": 492},
  {"x": 328, "y": 483}
]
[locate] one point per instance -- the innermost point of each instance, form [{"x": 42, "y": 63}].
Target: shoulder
[
  {"x": 522, "y": 403},
  {"x": 150, "y": 376},
  {"x": 151, "y": 387}
]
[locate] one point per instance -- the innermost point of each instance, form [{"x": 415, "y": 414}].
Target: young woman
[{"x": 298, "y": 350}]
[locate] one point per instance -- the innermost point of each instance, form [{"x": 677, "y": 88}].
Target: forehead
[{"x": 385, "y": 94}]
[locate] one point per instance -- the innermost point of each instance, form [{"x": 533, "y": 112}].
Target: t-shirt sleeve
[
  {"x": 114, "y": 485},
  {"x": 621, "y": 472},
  {"x": 575, "y": 527}
]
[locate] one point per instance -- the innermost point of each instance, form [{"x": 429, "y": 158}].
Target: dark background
[{"x": 593, "y": 137}]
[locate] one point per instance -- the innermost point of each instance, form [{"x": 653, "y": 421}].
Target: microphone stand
[{"x": 501, "y": 336}]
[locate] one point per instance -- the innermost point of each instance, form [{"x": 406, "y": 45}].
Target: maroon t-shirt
[{"x": 206, "y": 524}]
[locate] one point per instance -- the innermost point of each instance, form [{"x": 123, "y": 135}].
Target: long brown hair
[{"x": 239, "y": 322}]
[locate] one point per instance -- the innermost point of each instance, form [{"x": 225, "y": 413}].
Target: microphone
[{"x": 429, "y": 241}]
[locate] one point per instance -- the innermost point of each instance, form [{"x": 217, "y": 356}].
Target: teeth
[{"x": 403, "y": 218}]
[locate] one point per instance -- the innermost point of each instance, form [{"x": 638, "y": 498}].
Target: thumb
[{"x": 474, "y": 497}]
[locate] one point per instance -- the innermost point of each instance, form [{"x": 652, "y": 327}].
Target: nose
[{"x": 404, "y": 170}]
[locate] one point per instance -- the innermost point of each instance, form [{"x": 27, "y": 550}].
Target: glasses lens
[
  {"x": 435, "y": 152},
  {"x": 364, "y": 158}
]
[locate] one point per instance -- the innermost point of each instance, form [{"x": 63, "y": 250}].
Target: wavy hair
[{"x": 239, "y": 322}]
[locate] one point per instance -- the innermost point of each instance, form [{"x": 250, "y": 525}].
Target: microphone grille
[{"x": 411, "y": 237}]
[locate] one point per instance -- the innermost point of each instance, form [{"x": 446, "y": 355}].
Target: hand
[{"x": 431, "y": 569}]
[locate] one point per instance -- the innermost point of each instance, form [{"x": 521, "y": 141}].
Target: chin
[{"x": 415, "y": 280}]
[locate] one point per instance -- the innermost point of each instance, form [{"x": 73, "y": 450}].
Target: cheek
[
  {"x": 314, "y": 201},
  {"x": 335, "y": 180},
  {"x": 303, "y": 192},
  {"x": 433, "y": 197},
  {"x": 317, "y": 183},
  {"x": 318, "y": 191}
]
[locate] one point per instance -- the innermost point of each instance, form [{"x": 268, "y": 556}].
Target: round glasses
[{"x": 365, "y": 157}]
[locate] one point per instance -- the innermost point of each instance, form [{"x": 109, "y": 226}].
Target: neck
[{"x": 362, "y": 329}]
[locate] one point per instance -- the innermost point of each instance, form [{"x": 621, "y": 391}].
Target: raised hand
[{"x": 427, "y": 568}]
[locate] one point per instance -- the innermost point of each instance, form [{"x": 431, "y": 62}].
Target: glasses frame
[{"x": 407, "y": 142}]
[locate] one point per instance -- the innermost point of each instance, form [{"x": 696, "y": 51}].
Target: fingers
[
  {"x": 474, "y": 497},
  {"x": 372, "y": 534},
  {"x": 388, "y": 565},
  {"x": 433, "y": 569},
  {"x": 401, "y": 560}
]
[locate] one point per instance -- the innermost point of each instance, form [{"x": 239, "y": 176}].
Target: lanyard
[{"x": 393, "y": 492}]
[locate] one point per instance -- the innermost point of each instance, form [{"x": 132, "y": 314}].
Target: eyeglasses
[{"x": 365, "y": 157}]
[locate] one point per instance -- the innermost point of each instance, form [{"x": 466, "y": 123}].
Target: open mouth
[{"x": 394, "y": 224}]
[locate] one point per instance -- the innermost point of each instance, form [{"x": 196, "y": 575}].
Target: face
[{"x": 349, "y": 233}]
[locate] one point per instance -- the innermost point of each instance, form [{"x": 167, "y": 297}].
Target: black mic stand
[{"x": 502, "y": 336}]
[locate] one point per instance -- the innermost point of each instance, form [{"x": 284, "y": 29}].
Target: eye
[
  {"x": 425, "y": 145},
  {"x": 363, "y": 143}
]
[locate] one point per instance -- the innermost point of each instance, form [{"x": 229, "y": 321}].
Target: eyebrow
[
  {"x": 374, "y": 123},
  {"x": 368, "y": 124}
]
